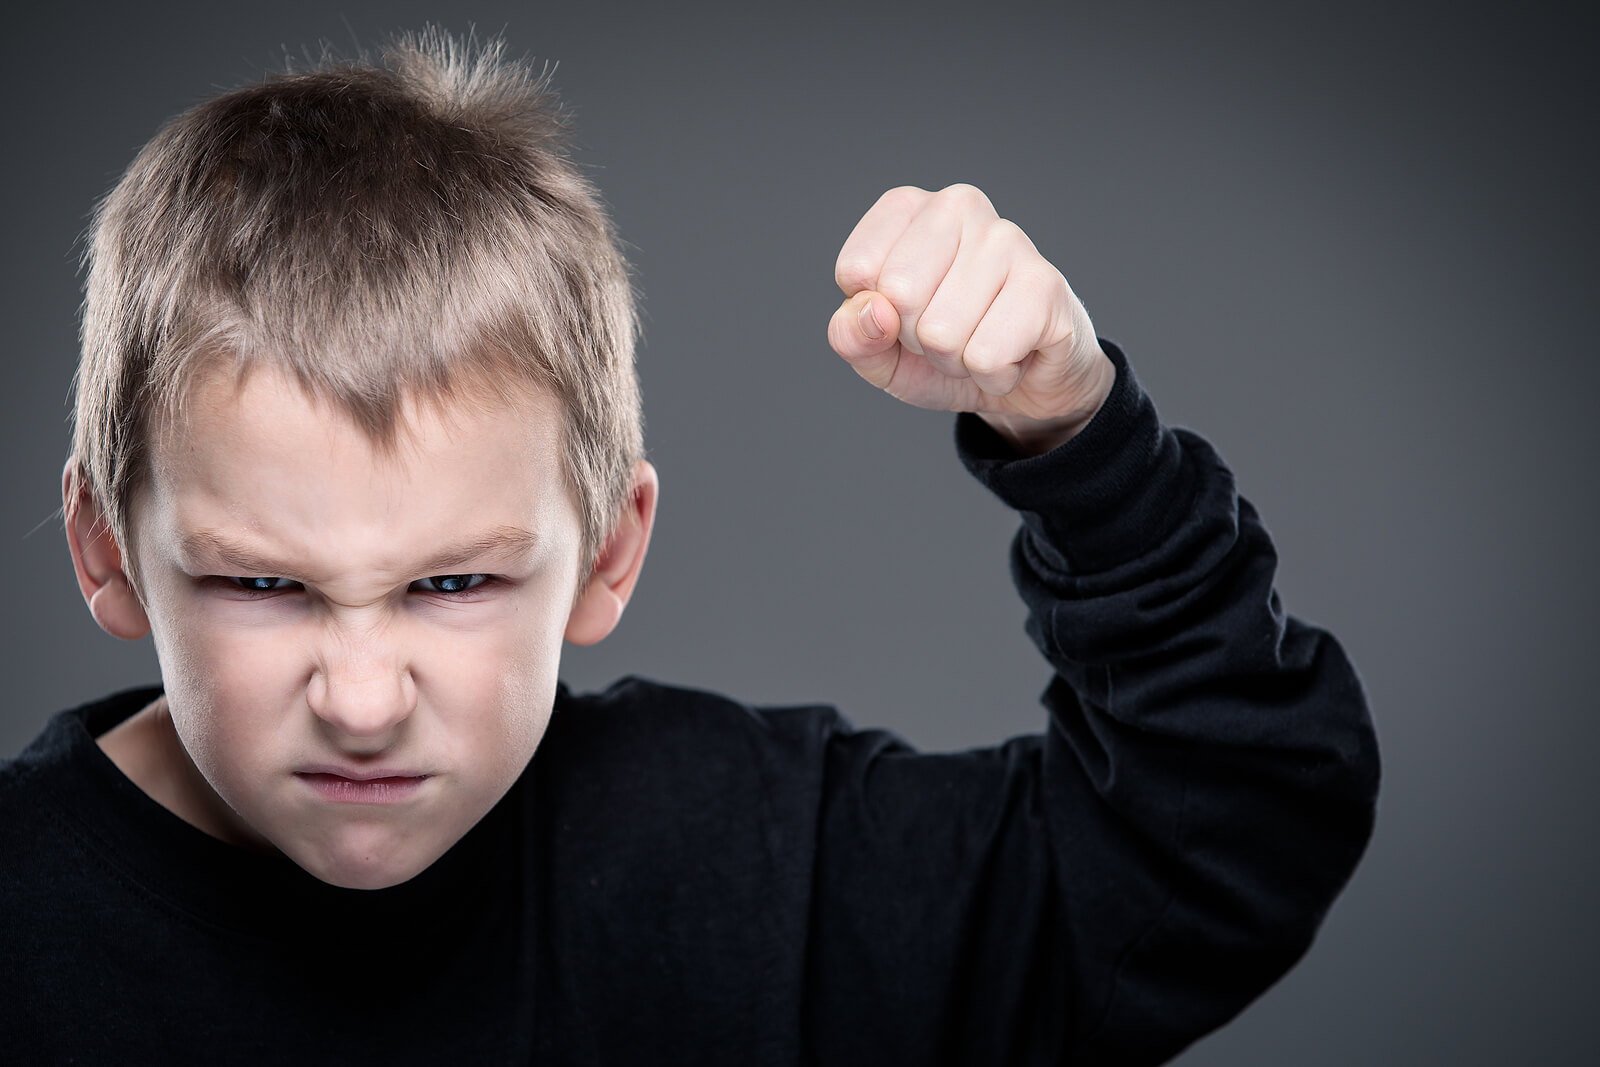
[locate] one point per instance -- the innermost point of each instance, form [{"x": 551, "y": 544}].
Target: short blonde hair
[{"x": 383, "y": 230}]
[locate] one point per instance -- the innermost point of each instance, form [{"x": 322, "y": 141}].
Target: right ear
[
  {"x": 98, "y": 561},
  {"x": 599, "y": 604}
]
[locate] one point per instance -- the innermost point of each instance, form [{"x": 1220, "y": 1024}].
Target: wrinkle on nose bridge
[{"x": 360, "y": 681}]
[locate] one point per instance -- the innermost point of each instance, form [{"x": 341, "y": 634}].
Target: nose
[{"x": 364, "y": 693}]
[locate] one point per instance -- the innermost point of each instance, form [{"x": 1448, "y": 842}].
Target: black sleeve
[{"x": 1112, "y": 890}]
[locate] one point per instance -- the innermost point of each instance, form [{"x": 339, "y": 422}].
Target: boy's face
[{"x": 359, "y": 648}]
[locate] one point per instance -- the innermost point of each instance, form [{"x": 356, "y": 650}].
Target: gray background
[{"x": 1349, "y": 243}]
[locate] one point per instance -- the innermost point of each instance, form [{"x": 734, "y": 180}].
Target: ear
[
  {"x": 98, "y": 561},
  {"x": 599, "y": 603}
]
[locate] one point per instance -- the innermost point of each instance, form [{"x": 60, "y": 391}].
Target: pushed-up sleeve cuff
[{"x": 1111, "y": 493}]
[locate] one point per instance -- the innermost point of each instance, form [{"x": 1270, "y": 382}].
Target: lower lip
[{"x": 341, "y": 790}]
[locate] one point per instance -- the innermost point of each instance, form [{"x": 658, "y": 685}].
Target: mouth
[{"x": 350, "y": 786}]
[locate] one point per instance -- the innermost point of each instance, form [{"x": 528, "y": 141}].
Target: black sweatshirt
[{"x": 679, "y": 878}]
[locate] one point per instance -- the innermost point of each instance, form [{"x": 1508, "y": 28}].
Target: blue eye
[
  {"x": 449, "y": 583},
  {"x": 262, "y": 585}
]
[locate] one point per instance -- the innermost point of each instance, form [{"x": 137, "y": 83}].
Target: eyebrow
[{"x": 498, "y": 541}]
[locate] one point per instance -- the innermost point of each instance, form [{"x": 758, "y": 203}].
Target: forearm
[
  {"x": 1115, "y": 889},
  {"x": 1211, "y": 768}
]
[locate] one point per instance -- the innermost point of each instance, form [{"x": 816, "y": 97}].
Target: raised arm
[{"x": 1116, "y": 888}]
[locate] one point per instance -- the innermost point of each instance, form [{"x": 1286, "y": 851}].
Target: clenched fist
[{"x": 949, "y": 306}]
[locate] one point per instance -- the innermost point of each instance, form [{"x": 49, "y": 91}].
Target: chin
[
  {"x": 376, "y": 867},
  {"x": 352, "y": 877}
]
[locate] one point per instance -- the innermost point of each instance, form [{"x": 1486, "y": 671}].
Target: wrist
[{"x": 1031, "y": 436}]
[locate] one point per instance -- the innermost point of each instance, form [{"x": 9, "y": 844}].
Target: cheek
[
  {"x": 227, "y": 686},
  {"x": 495, "y": 692}
]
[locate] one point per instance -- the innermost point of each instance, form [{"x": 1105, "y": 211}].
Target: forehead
[
  {"x": 263, "y": 401},
  {"x": 262, "y": 457}
]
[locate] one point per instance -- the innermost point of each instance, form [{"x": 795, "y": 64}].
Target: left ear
[
  {"x": 97, "y": 559},
  {"x": 599, "y": 604}
]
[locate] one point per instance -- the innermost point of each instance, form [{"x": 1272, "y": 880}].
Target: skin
[
  {"x": 948, "y": 306},
  {"x": 354, "y": 658}
]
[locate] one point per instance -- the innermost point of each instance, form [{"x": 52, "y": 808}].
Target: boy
[{"x": 357, "y": 442}]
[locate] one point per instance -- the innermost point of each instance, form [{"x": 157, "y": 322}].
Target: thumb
[{"x": 865, "y": 331}]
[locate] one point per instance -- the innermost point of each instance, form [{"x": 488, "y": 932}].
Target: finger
[
  {"x": 1062, "y": 338},
  {"x": 862, "y": 255},
  {"x": 914, "y": 381},
  {"x": 1026, "y": 315},
  {"x": 863, "y": 331},
  {"x": 912, "y": 272},
  {"x": 923, "y": 256},
  {"x": 961, "y": 301}
]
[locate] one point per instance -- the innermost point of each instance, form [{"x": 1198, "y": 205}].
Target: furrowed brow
[
  {"x": 210, "y": 545},
  {"x": 498, "y": 543},
  {"x": 501, "y": 542}
]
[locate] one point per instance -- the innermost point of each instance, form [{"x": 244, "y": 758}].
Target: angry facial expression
[{"x": 359, "y": 645}]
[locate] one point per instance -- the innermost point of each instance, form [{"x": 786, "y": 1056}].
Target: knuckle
[
  {"x": 904, "y": 197},
  {"x": 1006, "y": 233},
  {"x": 965, "y": 195},
  {"x": 985, "y": 358},
  {"x": 939, "y": 337},
  {"x": 1008, "y": 240},
  {"x": 852, "y": 274},
  {"x": 901, "y": 289}
]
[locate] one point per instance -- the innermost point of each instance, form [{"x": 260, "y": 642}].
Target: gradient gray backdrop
[{"x": 1354, "y": 245}]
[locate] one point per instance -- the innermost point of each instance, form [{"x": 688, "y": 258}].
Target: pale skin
[
  {"x": 325, "y": 611},
  {"x": 948, "y": 306},
  {"x": 328, "y": 614}
]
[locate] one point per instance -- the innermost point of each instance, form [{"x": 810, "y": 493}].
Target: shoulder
[
  {"x": 641, "y": 749},
  {"x": 49, "y": 755},
  {"x": 58, "y": 776},
  {"x": 69, "y": 736},
  {"x": 637, "y": 716},
  {"x": 47, "y": 814}
]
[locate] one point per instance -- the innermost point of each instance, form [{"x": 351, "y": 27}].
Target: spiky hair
[{"x": 405, "y": 227}]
